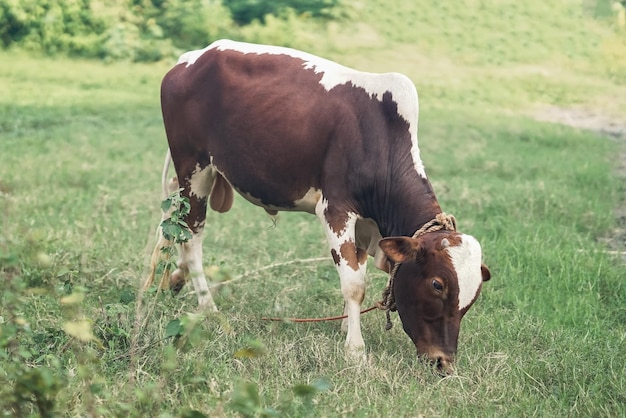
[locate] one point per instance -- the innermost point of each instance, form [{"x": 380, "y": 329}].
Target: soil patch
[
  {"x": 584, "y": 119},
  {"x": 607, "y": 126}
]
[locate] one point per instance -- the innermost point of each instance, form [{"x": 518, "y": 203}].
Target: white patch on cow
[
  {"x": 375, "y": 85},
  {"x": 466, "y": 259},
  {"x": 337, "y": 238},
  {"x": 308, "y": 202},
  {"x": 190, "y": 57},
  {"x": 201, "y": 181}
]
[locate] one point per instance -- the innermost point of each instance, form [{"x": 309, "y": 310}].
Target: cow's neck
[{"x": 409, "y": 203}]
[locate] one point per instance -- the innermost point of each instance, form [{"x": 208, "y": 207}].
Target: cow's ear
[
  {"x": 399, "y": 249},
  {"x": 485, "y": 272}
]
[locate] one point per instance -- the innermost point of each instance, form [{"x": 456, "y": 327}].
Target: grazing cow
[{"x": 294, "y": 132}]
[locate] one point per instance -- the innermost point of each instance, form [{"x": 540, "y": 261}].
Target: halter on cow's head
[{"x": 436, "y": 277}]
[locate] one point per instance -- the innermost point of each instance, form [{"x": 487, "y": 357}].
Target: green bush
[
  {"x": 146, "y": 30},
  {"x": 246, "y": 11},
  {"x": 194, "y": 24},
  {"x": 288, "y": 30},
  {"x": 51, "y": 26}
]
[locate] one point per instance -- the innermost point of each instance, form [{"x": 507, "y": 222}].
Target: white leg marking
[
  {"x": 352, "y": 280},
  {"x": 353, "y": 290},
  {"x": 191, "y": 257}
]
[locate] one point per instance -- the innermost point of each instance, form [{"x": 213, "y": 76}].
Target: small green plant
[
  {"x": 307, "y": 392},
  {"x": 254, "y": 348},
  {"x": 186, "y": 331},
  {"x": 174, "y": 229},
  {"x": 29, "y": 385},
  {"x": 247, "y": 401},
  {"x": 86, "y": 347}
]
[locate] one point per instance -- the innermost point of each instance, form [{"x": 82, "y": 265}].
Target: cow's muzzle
[
  {"x": 443, "y": 363},
  {"x": 445, "y": 366}
]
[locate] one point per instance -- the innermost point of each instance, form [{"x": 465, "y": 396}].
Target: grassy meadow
[{"x": 81, "y": 151}]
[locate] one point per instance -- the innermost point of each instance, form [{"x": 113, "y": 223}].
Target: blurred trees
[
  {"x": 245, "y": 11},
  {"x": 50, "y": 25},
  {"x": 146, "y": 30}
]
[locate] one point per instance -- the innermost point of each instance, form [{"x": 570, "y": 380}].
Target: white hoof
[
  {"x": 356, "y": 354},
  {"x": 205, "y": 303}
]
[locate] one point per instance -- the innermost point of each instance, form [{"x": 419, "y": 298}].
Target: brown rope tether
[
  {"x": 328, "y": 318},
  {"x": 388, "y": 304}
]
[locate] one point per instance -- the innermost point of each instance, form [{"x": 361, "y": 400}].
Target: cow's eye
[{"x": 437, "y": 285}]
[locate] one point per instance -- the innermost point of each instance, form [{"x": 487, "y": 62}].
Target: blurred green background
[{"x": 504, "y": 87}]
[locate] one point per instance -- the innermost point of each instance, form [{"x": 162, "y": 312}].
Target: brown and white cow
[{"x": 294, "y": 132}]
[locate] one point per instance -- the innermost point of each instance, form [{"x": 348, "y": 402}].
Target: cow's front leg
[
  {"x": 358, "y": 285},
  {"x": 350, "y": 263},
  {"x": 352, "y": 277}
]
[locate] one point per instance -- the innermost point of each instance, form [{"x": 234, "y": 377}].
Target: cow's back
[{"x": 278, "y": 123}]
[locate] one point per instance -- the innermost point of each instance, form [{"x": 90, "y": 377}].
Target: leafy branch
[{"x": 174, "y": 228}]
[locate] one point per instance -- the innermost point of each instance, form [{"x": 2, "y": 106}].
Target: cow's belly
[{"x": 305, "y": 203}]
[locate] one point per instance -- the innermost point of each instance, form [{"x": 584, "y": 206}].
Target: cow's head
[{"x": 439, "y": 279}]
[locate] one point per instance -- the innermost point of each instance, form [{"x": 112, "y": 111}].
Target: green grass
[{"x": 82, "y": 143}]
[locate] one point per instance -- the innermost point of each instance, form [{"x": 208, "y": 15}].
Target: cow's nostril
[{"x": 444, "y": 366}]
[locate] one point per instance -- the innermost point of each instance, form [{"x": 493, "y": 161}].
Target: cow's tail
[
  {"x": 167, "y": 187},
  {"x": 166, "y": 168}
]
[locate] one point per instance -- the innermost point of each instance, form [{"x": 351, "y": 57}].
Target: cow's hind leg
[
  {"x": 190, "y": 265},
  {"x": 196, "y": 186},
  {"x": 350, "y": 263}
]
